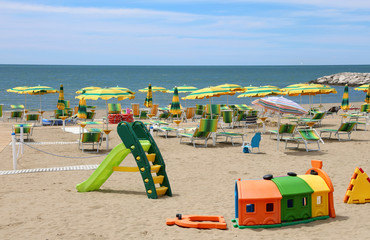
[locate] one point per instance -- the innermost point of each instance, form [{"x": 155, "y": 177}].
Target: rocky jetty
[{"x": 341, "y": 79}]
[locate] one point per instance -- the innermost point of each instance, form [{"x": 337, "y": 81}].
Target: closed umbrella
[
  {"x": 281, "y": 105},
  {"x": 345, "y": 102},
  {"x": 61, "y": 103},
  {"x": 175, "y": 105},
  {"x": 367, "y": 99},
  {"x": 149, "y": 97},
  {"x": 82, "y": 113}
]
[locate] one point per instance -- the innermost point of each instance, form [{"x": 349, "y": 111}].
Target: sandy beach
[{"x": 47, "y": 205}]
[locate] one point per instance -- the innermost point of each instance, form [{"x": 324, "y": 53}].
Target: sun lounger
[
  {"x": 307, "y": 136},
  {"x": 344, "y": 128}
]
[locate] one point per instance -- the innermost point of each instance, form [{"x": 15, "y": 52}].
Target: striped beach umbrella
[
  {"x": 149, "y": 98},
  {"x": 281, "y": 105},
  {"x": 87, "y": 89},
  {"x": 123, "y": 89},
  {"x": 367, "y": 98},
  {"x": 61, "y": 104},
  {"x": 345, "y": 102},
  {"x": 175, "y": 105},
  {"x": 106, "y": 94},
  {"x": 40, "y": 90},
  {"x": 231, "y": 87},
  {"x": 261, "y": 92},
  {"x": 20, "y": 90},
  {"x": 183, "y": 89},
  {"x": 363, "y": 88},
  {"x": 82, "y": 113},
  {"x": 154, "y": 89},
  {"x": 208, "y": 92}
]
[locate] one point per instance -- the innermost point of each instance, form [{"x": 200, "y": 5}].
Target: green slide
[{"x": 105, "y": 169}]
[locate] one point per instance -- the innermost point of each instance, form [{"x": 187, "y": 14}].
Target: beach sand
[{"x": 47, "y": 205}]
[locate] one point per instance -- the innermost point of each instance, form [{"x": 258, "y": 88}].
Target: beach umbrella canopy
[
  {"x": 19, "y": 90},
  {"x": 82, "y": 113},
  {"x": 87, "y": 89},
  {"x": 154, "y": 89},
  {"x": 367, "y": 98},
  {"x": 149, "y": 97},
  {"x": 175, "y": 105},
  {"x": 281, "y": 105},
  {"x": 363, "y": 87},
  {"x": 183, "y": 89},
  {"x": 106, "y": 94},
  {"x": 61, "y": 104},
  {"x": 261, "y": 92},
  {"x": 208, "y": 92},
  {"x": 40, "y": 90},
  {"x": 250, "y": 87},
  {"x": 231, "y": 87},
  {"x": 345, "y": 102},
  {"x": 123, "y": 89}
]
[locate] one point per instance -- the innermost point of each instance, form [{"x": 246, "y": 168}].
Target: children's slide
[{"x": 105, "y": 169}]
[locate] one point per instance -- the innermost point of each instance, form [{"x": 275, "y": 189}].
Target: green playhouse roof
[{"x": 291, "y": 185}]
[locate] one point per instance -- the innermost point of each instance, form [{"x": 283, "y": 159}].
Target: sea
[{"x": 75, "y": 77}]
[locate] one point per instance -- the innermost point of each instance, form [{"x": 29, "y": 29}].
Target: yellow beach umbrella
[
  {"x": 82, "y": 113},
  {"x": 154, "y": 89},
  {"x": 345, "y": 101},
  {"x": 261, "y": 92},
  {"x": 40, "y": 90},
  {"x": 87, "y": 89},
  {"x": 208, "y": 92},
  {"x": 106, "y": 94},
  {"x": 149, "y": 97},
  {"x": 20, "y": 90},
  {"x": 61, "y": 104},
  {"x": 363, "y": 87}
]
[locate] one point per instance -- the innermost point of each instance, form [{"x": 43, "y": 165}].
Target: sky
[{"x": 185, "y": 32}]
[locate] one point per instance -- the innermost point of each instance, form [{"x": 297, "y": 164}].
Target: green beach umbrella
[
  {"x": 123, "y": 89},
  {"x": 61, "y": 104},
  {"x": 261, "y": 92},
  {"x": 367, "y": 99},
  {"x": 175, "y": 105},
  {"x": 345, "y": 102},
  {"x": 82, "y": 109},
  {"x": 153, "y": 89},
  {"x": 231, "y": 88},
  {"x": 149, "y": 97}
]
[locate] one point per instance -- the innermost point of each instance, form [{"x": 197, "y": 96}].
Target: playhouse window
[
  {"x": 290, "y": 203},
  {"x": 269, "y": 207},
  {"x": 318, "y": 200},
  {"x": 304, "y": 201},
  {"x": 250, "y": 208}
]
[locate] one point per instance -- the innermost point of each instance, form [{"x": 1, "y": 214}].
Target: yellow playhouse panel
[
  {"x": 359, "y": 188},
  {"x": 320, "y": 200}
]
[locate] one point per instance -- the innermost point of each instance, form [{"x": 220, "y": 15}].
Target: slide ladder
[{"x": 148, "y": 160}]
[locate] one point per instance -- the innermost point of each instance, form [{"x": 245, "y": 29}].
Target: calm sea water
[{"x": 137, "y": 77}]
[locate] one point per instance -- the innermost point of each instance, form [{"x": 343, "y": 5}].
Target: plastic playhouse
[
  {"x": 138, "y": 141},
  {"x": 282, "y": 201},
  {"x": 358, "y": 190}
]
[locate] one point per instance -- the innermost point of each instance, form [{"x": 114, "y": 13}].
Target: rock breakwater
[{"x": 341, "y": 79}]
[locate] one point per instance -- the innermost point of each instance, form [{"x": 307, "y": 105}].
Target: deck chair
[
  {"x": 1, "y": 111},
  {"x": 32, "y": 118},
  {"x": 202, "y": 133},
  {"x": 90, "y": 138},
  {"x": 166, "y": 130},
  {"x": 284, "y": 129},
  {"x": 135, "y": 110},
  {"x": 65, "y": 112},
  {"x": 307, "y": 136},
  {"x": 199, "y": 112},
  {"x": 213, "y": 110},
  {"x": 231, "y": 135},
  {"x": 27, "y": 129},
  {"x": 317, "y": 117},
  {"x": 164, "y": 115},
  {"x": 255, "y": 142},
  {"x": 154, "y": 110},
  {"x": 189, "y": 113},
  {"x": 114, "y": 108},
  {"x": 344, "y": 128},
  {"x": 243, "y": 107},
  {"x": 251, "y": 120},
  {"x": 227, "y": 118},
  {"x": 16, "y": 115},
  {"x": 364, "y": 109}
]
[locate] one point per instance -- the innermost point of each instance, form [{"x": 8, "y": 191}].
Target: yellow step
[
  {"x": 161, "y": 190},
  {"x": 155, "y": 168},
  {"x": 151, "y": 157},
  {"x": 158, "y": 179}
]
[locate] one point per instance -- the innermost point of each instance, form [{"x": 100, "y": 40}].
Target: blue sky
[{"x": 185, "y": 32}]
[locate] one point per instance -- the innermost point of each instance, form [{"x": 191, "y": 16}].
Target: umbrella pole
[
  {"x": 106, "y": 111},
  {"x": 278, "y": 136},
  {"x": 40, "y": 102}
]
